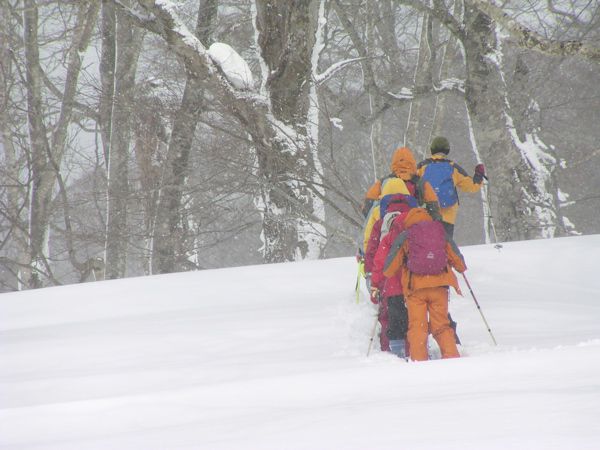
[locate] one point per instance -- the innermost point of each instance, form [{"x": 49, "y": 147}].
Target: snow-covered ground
[{"x": 274, "y": 357}]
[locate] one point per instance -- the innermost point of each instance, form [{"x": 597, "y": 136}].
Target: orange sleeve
[
  {"x": 455, "y": 257},
  {"x": 374, "y": 191},
  {"x": 429, "y": 194},
  {"x": 463, "y": 181}
]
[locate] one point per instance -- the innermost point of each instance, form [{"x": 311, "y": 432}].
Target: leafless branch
[{"x": 529, "y": 39}]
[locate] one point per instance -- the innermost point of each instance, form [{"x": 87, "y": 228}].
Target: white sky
[{"x": 274, "y": 357}]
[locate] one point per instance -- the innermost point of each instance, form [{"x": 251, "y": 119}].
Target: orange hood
[
  {"x": 416, "y": 215},
  {"x": 404, "y": 164}
]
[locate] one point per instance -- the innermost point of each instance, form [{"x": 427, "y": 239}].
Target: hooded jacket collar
[
  {"x": 403, "y": 163},
  {"x": 416, "y": 215}
]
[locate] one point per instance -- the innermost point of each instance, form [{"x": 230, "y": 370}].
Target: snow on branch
[
  {"x": 447, "y": 85},
  {"x": 138, "y": 18},
  {"x": 234, "y": 67},
  {"x": 404, "y": 94},
  {"x": 333, "y": 69},
  {"x": 531, "y": 40},
  {"x": 163, "y": 20},
  {"x": 451, "y": 84}
]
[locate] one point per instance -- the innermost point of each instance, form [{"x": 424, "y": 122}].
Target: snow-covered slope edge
[{"x": 273, "y": 357}]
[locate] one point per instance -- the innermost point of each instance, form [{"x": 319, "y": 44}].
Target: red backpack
[{"x": 427, "y": 248}]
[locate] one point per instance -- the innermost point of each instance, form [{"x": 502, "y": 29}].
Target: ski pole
[
  {"x": 373, "y": 333},
  {"x": 479, "y": 308},
  {"x": 489, "y": 210},
  {"x": 357, "y": 287},
  {"x": 361, "y": 273},
  {"x": 375, "y": 324}
]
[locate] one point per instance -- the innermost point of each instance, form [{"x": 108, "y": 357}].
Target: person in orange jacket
[
  {"x": 446, "y": 177},
  {"x": 425, "y": 281},
  {"x": 402, "y": 180},
  {"x": 403, "y": 166}
]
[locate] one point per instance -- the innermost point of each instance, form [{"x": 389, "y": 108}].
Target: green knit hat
[{"x": 440, "y": 145}]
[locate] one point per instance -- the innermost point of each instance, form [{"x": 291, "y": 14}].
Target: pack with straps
[
  {"x": 438, "y": 172},
  {"x": 427, "y": 248},
  {"x": 386, "y": 223}
]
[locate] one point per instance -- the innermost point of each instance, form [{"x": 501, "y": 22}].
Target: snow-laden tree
[
  {"x": 289, "y": 169},
  {"x": 166, "y": 243},
  {"x": 275, "y": 117},
  {"x": 184, "y": 161},
  {"x": 521, "y": 166}
]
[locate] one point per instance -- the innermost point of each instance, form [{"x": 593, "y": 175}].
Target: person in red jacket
[{"x": 387, "y": 292}]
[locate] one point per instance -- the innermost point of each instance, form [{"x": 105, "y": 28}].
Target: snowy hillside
[{"x": 274, "y": 357}]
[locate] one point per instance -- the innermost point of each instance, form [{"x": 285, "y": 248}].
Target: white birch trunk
[
  {"x": 128, "y": 46},
  {"x": 313, "y": 233},
  {"x": 524, "y": 207}
]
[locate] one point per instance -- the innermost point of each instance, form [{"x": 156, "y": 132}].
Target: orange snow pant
[{"x": 435, "y": 302}]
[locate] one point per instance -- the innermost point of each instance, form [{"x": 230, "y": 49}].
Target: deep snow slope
[{"x": 274, "y": 357}]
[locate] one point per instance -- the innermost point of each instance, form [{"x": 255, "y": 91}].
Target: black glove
[{"x": 479, "y": 174}]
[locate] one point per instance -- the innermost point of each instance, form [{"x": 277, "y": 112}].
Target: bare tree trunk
[
  {"x": 524, "y": 207},
  {"x": 310, "y": 231},
  {"x": 17, "y": 258},
  {"x": 107, "y": 73},
  {"x": 380, "y": 162},
  {"x": 167, "y": 250},
  {"x": 46, "y": 156},
  {"x": 526, "y": 133},
  {"x": 149, "y": 148},
  {"x": 276, "y": 122},
  {"x": 129, "y": 40},
  {"x": 423, "y": 77},
  {"x": 376, "y": 101},
  {"x": 108, "y": 64},
  {"x": 449, "y": 52},
  {"x": 41, "y": 187},
  {"x": 286, "y": 35}
]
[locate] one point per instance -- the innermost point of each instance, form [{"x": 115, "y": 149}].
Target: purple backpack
[{"x": 427, "y": 248}]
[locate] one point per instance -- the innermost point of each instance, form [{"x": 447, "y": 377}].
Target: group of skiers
[{"x": 408, "y": 250}]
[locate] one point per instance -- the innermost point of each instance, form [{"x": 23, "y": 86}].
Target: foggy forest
[{"x": 155, "y": 136}]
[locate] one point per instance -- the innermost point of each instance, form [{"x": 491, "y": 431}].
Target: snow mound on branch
[{"x": 234, "y": 67}]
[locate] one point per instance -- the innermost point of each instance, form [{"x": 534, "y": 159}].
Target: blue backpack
[{"x": 438, "y": 172}]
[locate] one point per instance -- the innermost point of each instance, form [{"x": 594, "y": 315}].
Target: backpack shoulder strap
[
  {"x": 442, "y": 160},
  {"x": 394, "y": 249},
  {"x": 460, "y": 170},
  {"x": 424, "y": 162}
]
